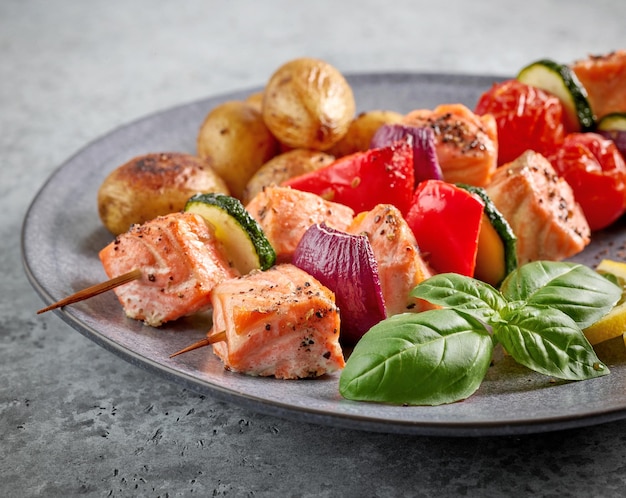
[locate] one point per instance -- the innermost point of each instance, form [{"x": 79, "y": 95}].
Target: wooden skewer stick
[
  {"x": 212, "y": 339},
  {"x": 94, "y": 290}
]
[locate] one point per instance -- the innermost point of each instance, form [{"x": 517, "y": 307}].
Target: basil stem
[{"x": 548, "y": 341}]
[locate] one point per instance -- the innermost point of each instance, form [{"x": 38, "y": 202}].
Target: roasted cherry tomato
[
  {"x": 446, "y": 221},
  {"x": 595, "y": 170},
  {"x": 527, "y": 118},
  {"x": 364, "y": 179}
]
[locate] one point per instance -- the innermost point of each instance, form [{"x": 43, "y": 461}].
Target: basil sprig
[{"x": 442, "y": 355}]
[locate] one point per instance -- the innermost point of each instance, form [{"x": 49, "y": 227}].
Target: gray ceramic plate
[{"x": 62, "y": 235}]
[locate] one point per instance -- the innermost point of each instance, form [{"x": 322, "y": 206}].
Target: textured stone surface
[{"x": 75, "y": 419}]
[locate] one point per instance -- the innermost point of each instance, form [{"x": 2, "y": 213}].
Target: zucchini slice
[
  {"x": 245, "y": 243},
  {"x": 561, "y": 81},
  {"x": 497, "y": 244},
  {"x": 615, "y": 121}
]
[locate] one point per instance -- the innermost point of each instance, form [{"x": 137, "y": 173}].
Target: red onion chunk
[
  {"x": 425, "y": 162},
  {"x": 618, "y": 137},
  {"x": 345, "y": 264}
]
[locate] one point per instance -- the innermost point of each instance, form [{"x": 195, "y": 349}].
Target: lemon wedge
[
  {"x": 617, "y": 268},
  {"x": 613, "y": 324}
]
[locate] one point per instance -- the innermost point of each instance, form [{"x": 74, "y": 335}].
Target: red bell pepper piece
[
  {"x": 446, "y": 222},
  {"x": 362, "y": 180}
]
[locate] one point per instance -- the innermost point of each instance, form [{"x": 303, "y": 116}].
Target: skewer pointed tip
[
  {"x": 94, "y": 290},
  {"x": 218, "y": 337}
]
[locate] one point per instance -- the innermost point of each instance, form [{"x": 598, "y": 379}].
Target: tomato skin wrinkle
[
  {"x": 526, "y": 118},
  {"x": 596, "y": 171}
]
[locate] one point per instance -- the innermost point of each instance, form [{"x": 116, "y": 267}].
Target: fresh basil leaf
[
  {"x": 451, "y": 290},
  {"x": 429, "y": 358},
  {"x": 613, "y": 278},
  {"x": 548, "y": 341},
  {"x": 575, "y": 289}
]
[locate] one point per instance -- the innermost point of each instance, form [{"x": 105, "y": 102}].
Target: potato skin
[
  {"x": 255, "y": 99},
  {"x": 362, "y": 129},
  {"x": 308, "y": 104},
  {"x": 284, "y": 166},
  {"x": 151, "y": 185},
  {"x": 235, "y": 141}
]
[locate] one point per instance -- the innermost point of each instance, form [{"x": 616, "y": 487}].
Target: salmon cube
[
  {"x": 466, "y": 143},
  {"x": 604, "y": 78},
  {"x": 285, "y": 214},
  {"x": 281, "y": 322},
  {"x": 400, "y": 263},
  {"x": 541, "y": 209},
  {"x": 180, "y": 261}
]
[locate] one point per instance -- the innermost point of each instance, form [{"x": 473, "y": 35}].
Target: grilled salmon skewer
[
  {"x": 181, "y": 262},
  {"x": 175, "y": 260},
  {"x": 281, "y": 322},
  {"x": 161, "y": 270}
]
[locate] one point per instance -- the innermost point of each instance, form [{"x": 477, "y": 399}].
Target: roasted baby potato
[
  {"x": 255, "y": 99},
  {"x": 152, "y": 185},
  {"x": 235, "y": 141},
  {"x": 308, "y": 104},
  {"x": 284, "y": 166},
  {"x": 361, "y": 130}
]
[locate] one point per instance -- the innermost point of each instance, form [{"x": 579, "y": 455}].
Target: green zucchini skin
[
  {"x": 615, "y": 121},
  {"x": 560, "y": 80},
  {"x": 221, "y": 210},
  {"x": 501, "y": 226}
]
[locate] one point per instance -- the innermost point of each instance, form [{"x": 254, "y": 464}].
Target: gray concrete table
[{"x": 77, "y": 420}]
